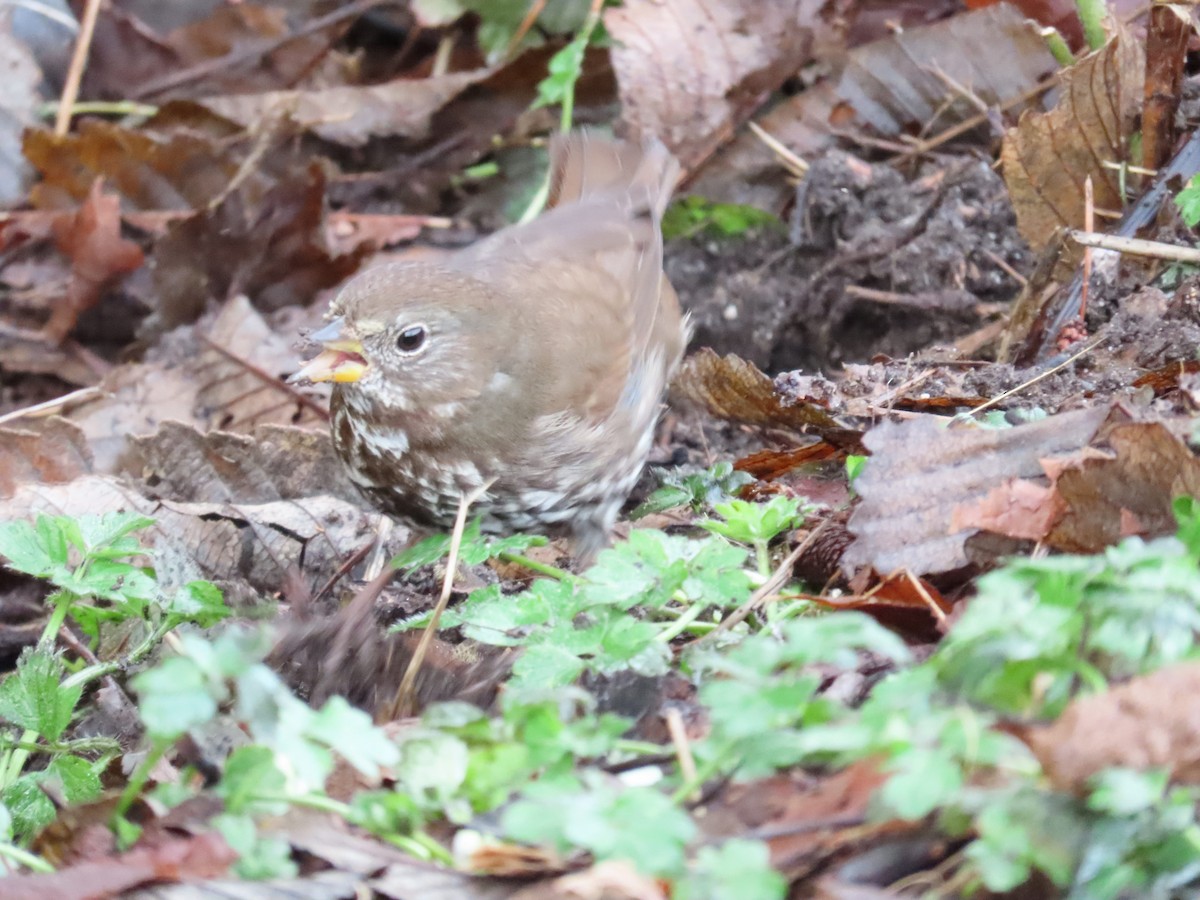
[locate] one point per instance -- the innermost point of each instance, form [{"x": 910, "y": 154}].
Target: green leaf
[
  {"x": 259, "y": 858},
  {"x": 31, "y": 810},
  {"x": 251, "y": 772},
  {"x": 1188, "y": 202},
  {"x": 688, "y": 216},
  {"x": 39, "y": 552},
  {"x": 1123, "y": 792},
  {"x": 638, "y": 824},
  {"x": 750, "y": 523},
  {"x": 432, "y": 765},
  {"x": 79, "y": 779},
  {"x": 100, "y": 534},
  {"x": 350, "y": 732},
  {"x": 34, "y": 698},
  {"x": 921, "y": 781},
  {"x": 174, "y": 696},
  {"x": 201, "y": 602},
  {"x": 735, "y": 870},
  {"x": 544, "y": 666}
]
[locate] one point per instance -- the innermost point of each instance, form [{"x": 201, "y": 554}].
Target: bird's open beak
[{"x": 342, "y": 359}]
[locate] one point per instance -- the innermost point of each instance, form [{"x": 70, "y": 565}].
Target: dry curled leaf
[
  {"x": 920, "y": 473},
  {"x": 937, "y": 75},
  {"x": 691, "y": 71},
  {"x": 353, "y": 115},
  {"x": 43, "y": 453},
  {"x": 1122, "y": 484},
  {"x": 91, "y": 239},
  {"x": 736, "y": 390},
  {"x": 1048, "y": 156}
]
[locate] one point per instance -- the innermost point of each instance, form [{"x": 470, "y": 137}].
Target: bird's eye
[{"x": 412, "y": 338}]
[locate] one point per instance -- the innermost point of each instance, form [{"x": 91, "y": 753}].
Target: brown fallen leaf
[
  {"x": 91, "y": 239},
  {"x": 177, "y": 859},
  {"x": 1148, "y": 723},
  {"x": 352, "y": 115},
  {"x": 1048, "y": 156},
  {"x": 737, "y": 391},
  {"x": 691, "y": 71},
  {"x": 156, "y": 167},
  {"x": 1122, "y": 484},
  {"x": 1127, "y": 490},
  {"x": 54, "y": 453},
  {"x": 270, "y": 247},
  {"x": 920, "y": 472},
  {"x": 996, "y": 52}
]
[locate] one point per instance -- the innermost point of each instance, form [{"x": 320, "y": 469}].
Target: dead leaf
[
  {"x": 270, "y": 463},
  {"x": 939, "y": 75},
  {"x": 91, "y": 238},
  {"x": 1020, "y": 509},
  {"x": 920, "y": 472},
  {"x": 737, "y": 391},
  {"x": 271, "y": 248},
  {"x": 352, "y": 115},
  {"x": 158, "y": 166},
  {"x": 176, "y": 859},
  {"x": 1139, "y": 725},
  {"x": 1127, "y": 490},
  {"x": 219, "y": 374},
  {"x": 610, "y": 880},
  {"x": 691, "y": 71},
  {"x": 55, "y": 453},
  {"x": 1048, "y": 156}
]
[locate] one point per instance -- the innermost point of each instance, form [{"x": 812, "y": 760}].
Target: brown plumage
[{"x": 537, "y": 357}]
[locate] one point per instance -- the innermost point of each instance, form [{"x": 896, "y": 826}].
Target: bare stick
[
  {"x": 83, "y": 43},
  {"x": 1089, "y": 225},
  {"x": 405, "y": 700},
  {"x": 1137, "y": 246}
]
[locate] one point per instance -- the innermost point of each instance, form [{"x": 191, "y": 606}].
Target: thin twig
[
  {"x": 83, "y": 44},
  {"x": 49, "y": 407},
  {"x": 777, "y": 580},
  {"x": 251, "y": 51},
  {"x": 1137, "y": 246},
  {"x": 1089, "y": 225},
  {"x": 531, "y": 16},
  {"x": 270, "y": 380},
  {"x": 405, "y": 699},
  {"x": 793, "y": 163},
  {"x": 683, "y": 747},
  {"x": 1000, "y": 398}
]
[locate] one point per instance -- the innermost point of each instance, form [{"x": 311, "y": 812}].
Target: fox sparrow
[{"x": 537, "y": 357}]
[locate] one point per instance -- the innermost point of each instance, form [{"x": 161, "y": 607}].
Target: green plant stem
[
  {"x": 680, "y": 625},
  {"x": 84, "y": 745},
  {"x": 534, "y": 566},
  {"x": 140, "y": 776},
  {"x": 1058, "y": 47},
  {"x": 421, "y": 846},
  {"x": 16, "y": 757},
  {"x": 24, "y": 858},
  {"x": 101, "y": 108},
  {"x": 639, "y": 748},
  {"x": 694, "y": 783},
  {"x": 418, "y": 844},
  {"x": 62, "y": 605},
  {"x": 137, "y": 654},
  {"x": 14, "y": 760},
  {"x": 1091, "y": 14},
  {"x": 762, "y": 556}
]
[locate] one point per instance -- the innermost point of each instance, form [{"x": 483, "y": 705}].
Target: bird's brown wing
[{"x": 599, "y": 249}]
